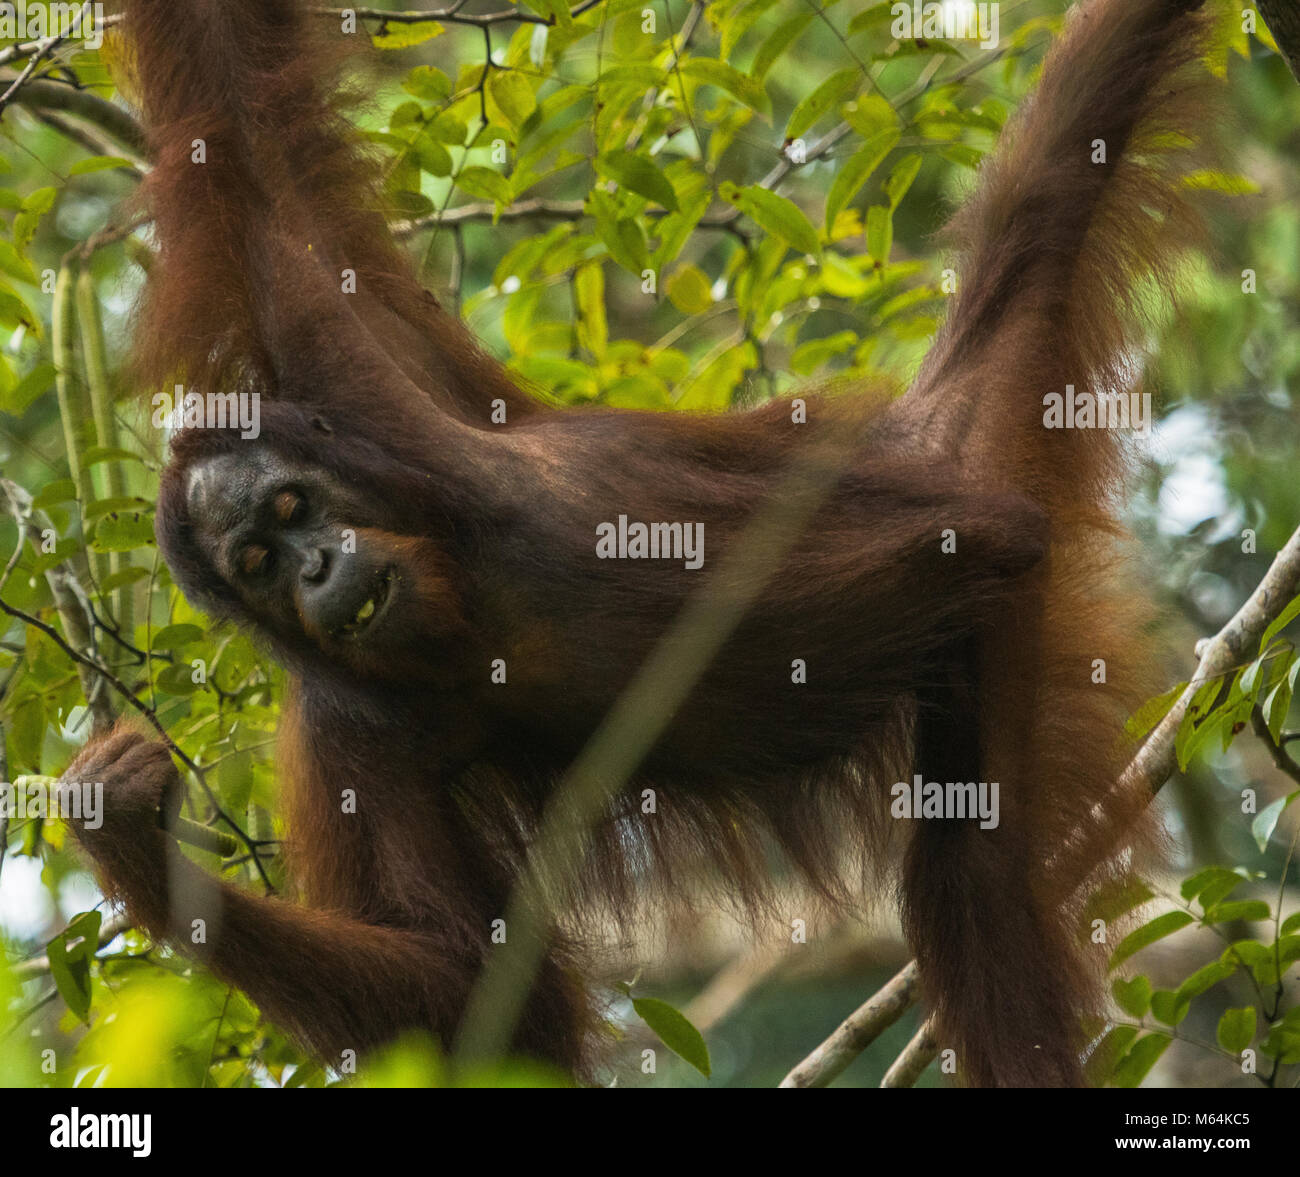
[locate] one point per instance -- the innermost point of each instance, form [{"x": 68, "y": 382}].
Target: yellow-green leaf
[
  {"x": 485, "y": 183},
  {"x": 774, "y": 213},
  {"x": 640, "y": 175},
  {"x": 1149, "y": 933},
  {"x": 513, "y": 95},
  {"x": 675, "y": 1031},
  {"x": 869, "y": 115},
  {"x": 688, "y": 289},
  {"x": 855, "y": 172},
  {"x": 589, "y": 291},
  {"x": 403, "y": 36},
  {"x": 740, "y": 86},
  {"x": 428, "y": 83},
  {"x": 98, "y": 163},
  {"x": 1236, "y": 1029},
  {"x": 821, "y": 100},
  {"x": 1133, "y": 997}
]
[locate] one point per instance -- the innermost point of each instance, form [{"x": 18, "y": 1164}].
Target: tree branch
[
  {"x": 858, "y": 1031},
  {"x": 44, "y": 94},
  {"x": 453, "y": 15}
]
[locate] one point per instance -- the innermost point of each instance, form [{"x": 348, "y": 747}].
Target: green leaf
[
  {"x": 123, "y": 533},
  {"x": 816, "y": 104},
  {"x": 1250, "y": 680},
  {"x": 878, "y": 14},
  {"x": 622, "y": 236},
  {"x": 1283, "y": 619},
  {"x": 713, "y": 387},
  {"x": 98, "y": 163},
  {"x": 785, "y": 35},
  {"x": 870, "y": 115},
  {"x": 177, "y": 680},
  {"x": 1168, "y": 1007},
  {"x": 20, "y": 397},
  {"x": 900, "y": 179},
  {"x": 14, "y": 311},
  {"x": 1283, "y": 1042},
  {"x": 171, "y": 637},
  {"x": 1149, "y": 933},
  {"x": 70, "y": 954},
  {"x": 738, "y": 22},
  {"x": 633, "y": 73},
  {"x": 1133, "y": 997},
  {"x": 485, "y": 183},
  {"x": 62, "y": 490},
  {"x": 740, "y": 86},
  {"x": 1261, "y": 829},
  {"x": 675, "y": 1031},
  {"x": 428, "y": 83},
  {"x": 1219, "y": 888},
  {"x": 403, "y": 36},
  {"x": 41, "y": 201},
  {"x": 640, "y": 175},
  {"x": 1250, "y": 953},
  {"x": 810, "y": 356},
  {"x": 449, "y": 129},
  {"x": 688, "y": 289},
  {"x": 1204, "y": 978},
  {"x": 589, "y": 292},
  {"x": 1108, "y": 1052},
  {"x": 880, "y": 233},
  {"x": 774, "y": 213},
  {"x": 963, "y": 154},
  {"x": 433, "y": 156},
  {"x": 855, "y": 172},
  {"x": 1146, "y": 717},
  {"x": 403, "y": 203},
  {"x": 34, "y": 207},
  {"x": 128, "y": 503},
  {"x": 1277, "y": 704},
  {"x": 1236, "y": 1029},
  {"x": 1142, "y": 1056},
  {"x": 15, "y": 265},
  {"x": 513, "y": 95},
  {"x": 1290, "y": 924},
  {"x": 125, "y": 576},
  {"x": 1237, "y": 909}
]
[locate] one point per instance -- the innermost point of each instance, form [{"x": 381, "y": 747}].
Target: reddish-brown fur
[{"x": 973, "y": 666}]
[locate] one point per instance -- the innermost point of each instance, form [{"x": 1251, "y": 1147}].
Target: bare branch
[
  {"x": 858, "y": 1031},
  {"x": 915, "y": 1057},
  {"x": 453, "y": 15},
  {"x": 45, "y": 94}
]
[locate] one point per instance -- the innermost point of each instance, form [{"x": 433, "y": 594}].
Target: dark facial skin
[{"x": 310, "y": 556}]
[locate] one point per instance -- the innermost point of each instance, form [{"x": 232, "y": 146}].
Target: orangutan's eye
[
  {"x": 289, "y": 506},
  {"x": 255, "y": 561}
]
